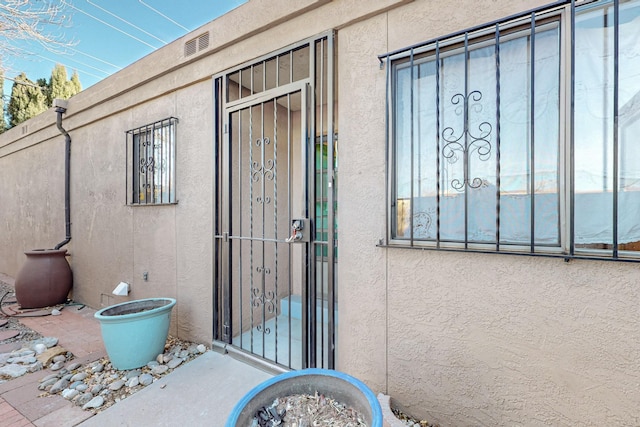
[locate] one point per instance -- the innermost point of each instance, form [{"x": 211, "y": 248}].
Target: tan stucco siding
[
  {"x": 458, "y": 338},
  {"x": 362, "y": 275},
  {"x": 500, "y": 340}
]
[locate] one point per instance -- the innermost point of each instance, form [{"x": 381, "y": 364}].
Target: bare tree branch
[{"x": 40, "y": 21}]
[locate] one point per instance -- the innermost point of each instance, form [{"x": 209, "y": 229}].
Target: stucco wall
[
  {"x": 468, "y": 339},
  {"x": 503, "y": 340},
  {"x": 31, "y": 201},
  {"x": 461, "y": 339}
]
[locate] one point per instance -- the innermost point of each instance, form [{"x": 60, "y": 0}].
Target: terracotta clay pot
[{"x": 44, "y": 280}]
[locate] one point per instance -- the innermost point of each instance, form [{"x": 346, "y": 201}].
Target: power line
[
  {"x": 164, "y": 16},
  {"x": 126, "y": 22},
  {"x": 21, "y": 82},
  {"x": 79, "y": 62},
  {"x": 109, "y": 25},
  {"x": 96, "y": 58},
  {"x": 67, "y": 66}
]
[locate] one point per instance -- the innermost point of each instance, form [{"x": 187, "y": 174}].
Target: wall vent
[
  {"x": 197, "y": 44},
  {"x": 190, "y": 47},
  {"x": 203, "y": 41}
]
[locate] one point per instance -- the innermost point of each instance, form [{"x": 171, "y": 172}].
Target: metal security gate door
[{"x": 274, "y": 291}]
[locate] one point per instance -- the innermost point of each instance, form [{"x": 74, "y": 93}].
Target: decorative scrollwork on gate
[
  {"x": 266, "y": 299},
  {"x": 266, "y": 200},
  {"x": 265, "y": 170},
  {"x": 467, "y": 142}
]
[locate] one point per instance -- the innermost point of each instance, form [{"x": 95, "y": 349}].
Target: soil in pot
[{"x": 304, "y": 410}]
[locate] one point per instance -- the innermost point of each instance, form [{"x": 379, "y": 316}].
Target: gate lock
[{"x": 300, "y": 231}]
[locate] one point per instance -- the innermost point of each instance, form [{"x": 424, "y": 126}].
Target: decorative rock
[
  {"x": 48, "y": 341},
  {"x": 174, "y": 363},
  {"x": 135, "y": 373},
  {"x": 84, "y": 399},
  {"x": 201, "y": 348},
  {"x": 59, "y": 386},
  {"x": 69, "y": 394},
  {"x": 48, "y": 383},
  {"x": 23, "y": 352},
  {"x": 96, "y": 389},
  {"x": 49, "y": 377},
  {"x": 145, "y": 379},
  {"x": 74, "y": 385},
  {"x": 47, "y": 356},
  {"x": 39, "y": 348},
  {"x": 65, "y": 375},
  {"x": 12, "y": 371},
  {"x": 183, "y": 354},
  {"x": 82, "y": 387},
  {"x": 26, "y": 360},
  {"x": 116, "y": 385},
  {"x": 74, "y": 366},
  {"x": 160, "y": 358},
  {"x": 79, "y": 377},
  {"x": 57, "y": 366},
  {"x": 98, "y": 368},
  {"x": 55, "y": 312},
  {"x": 96, "y": 402},
  {"x": 35, "y": 367},
  {"x": 133, "y": 382},
  {"x": 152, "y": 364},
  {"x": 160, "y": 369},
  {"x": 59, "y": 358}
]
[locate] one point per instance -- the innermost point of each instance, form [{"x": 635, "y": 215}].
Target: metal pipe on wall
[{"x": 61, "y": 108}]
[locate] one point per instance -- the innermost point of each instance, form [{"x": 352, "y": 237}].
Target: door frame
[{"x": 319, "y": 88}]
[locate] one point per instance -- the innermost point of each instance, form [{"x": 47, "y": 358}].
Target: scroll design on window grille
[
  {"x": 153, "y": 163},
  {"x": 467, "y": 142}
]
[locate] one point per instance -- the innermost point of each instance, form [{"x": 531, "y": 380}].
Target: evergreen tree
[
  {"x": 46, "y": 89},
  {"x": 76, "y": 86},
  {"x": 58, "y": 84},
  {"x": 27, "y": 100},
  {"x": 60, "y": 87}
]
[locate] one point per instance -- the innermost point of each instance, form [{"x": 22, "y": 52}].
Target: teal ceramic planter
[{"x": 135, "y": 332}]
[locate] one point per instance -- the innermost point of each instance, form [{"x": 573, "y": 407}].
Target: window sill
[
  {"x": 595, "y": 256},
  {"x": 139, "y": 205}
]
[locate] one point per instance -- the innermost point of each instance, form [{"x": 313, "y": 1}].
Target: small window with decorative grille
[{"x": 151, "y": 160}]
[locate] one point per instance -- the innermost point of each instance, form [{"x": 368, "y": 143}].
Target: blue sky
[{"x": 97, "y": 28}]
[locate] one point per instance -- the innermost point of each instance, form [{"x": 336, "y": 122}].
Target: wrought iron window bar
[
  {"x": 449, "y": 141},
  {"x": 152, "y": 165}
]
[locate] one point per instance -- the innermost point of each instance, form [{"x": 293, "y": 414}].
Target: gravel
[
  {"x": 100, "y": 385},
  {"x": 26, "y": 334},
  {"x": 97, "y": 385},
  {"x": 410, "y": 421}
]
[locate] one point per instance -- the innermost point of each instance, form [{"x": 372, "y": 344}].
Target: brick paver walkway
[{"x": 21, "y": 403}]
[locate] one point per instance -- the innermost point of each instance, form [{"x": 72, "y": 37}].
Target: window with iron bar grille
[
  {"x": 520, "y": 136},
  {"x": 153, "y": 163}
]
